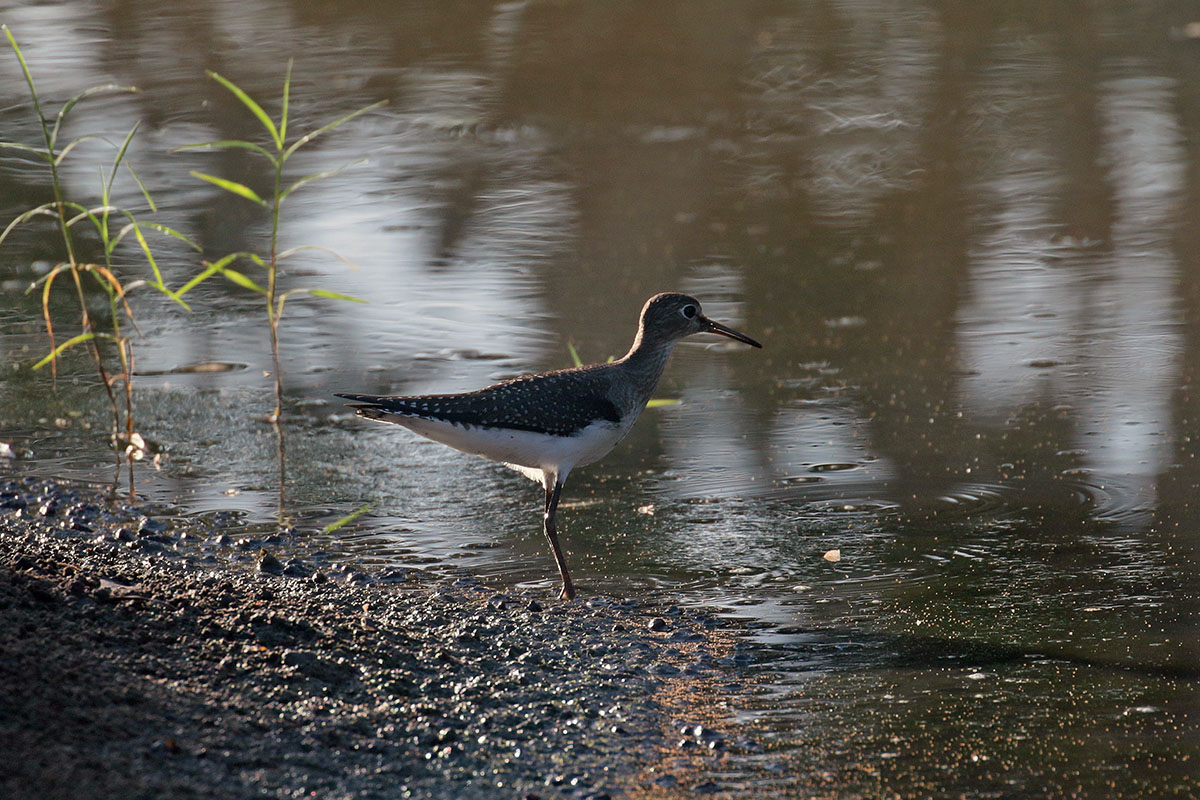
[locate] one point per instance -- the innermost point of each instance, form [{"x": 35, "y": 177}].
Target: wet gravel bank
[{"x": 130, "y": 670}]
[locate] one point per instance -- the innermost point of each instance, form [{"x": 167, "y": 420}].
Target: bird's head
[{"x": 671, "y": 316}]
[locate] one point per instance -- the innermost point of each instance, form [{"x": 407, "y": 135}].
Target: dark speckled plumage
[
  {"x": 557, "y": 403},
  {"x": 564, "y": 402},
  {"x": 545, "y": 425}
]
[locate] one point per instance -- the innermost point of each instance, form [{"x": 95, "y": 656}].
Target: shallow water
[{"x": 964, "y": 236}]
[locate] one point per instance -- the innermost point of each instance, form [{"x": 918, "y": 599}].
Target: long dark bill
[{"x": 724, "y": 330}]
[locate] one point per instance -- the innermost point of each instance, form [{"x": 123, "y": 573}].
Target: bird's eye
[{"x": 688, "y": 311}]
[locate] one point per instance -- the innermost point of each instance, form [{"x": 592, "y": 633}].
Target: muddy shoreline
[{"x": 131, "y": 668}]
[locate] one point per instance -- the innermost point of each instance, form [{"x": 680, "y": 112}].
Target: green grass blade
[
  {"x": 346, "y": 520},
  {"x": 224, "y": 261},
  {"x": 659, "y": 402},
  {"x": 20, "y": 57},
  {"x": 105, "y": 188},
  {"x": 37, "y": 151},
  {"x": 48, "y": 277},
  {"x": 86, "y": 213},
  {"x": 240, "y": 189},
  {"x": 44, "y": 209},
  {"x": 116, "y": 240},
  {"x": 61, "y": 117},
  {"x": 242, "y": 280},
  {"x": 174, "y": 296},
  {"x": 137, "y": 231},
  {"x": 337, "y": 296},
  {"x": 121, "y": 151},
  {"x": 308, "y": 137},
  {"x": 283, "y": 298},
  {"x": 37, "y": 104},
  {"x": 94, "y": 90},
  {"x": 196, "y": 280},
  {"x": 62, "y": 154},
  {"x": 56, "y": 352},
  {"x": 163, "y": 229},
  {"x": 120, "y": 158},
  {"x": 213, "y": 268},
  {"x": 145, "y": 192},
  {"x": 227, "y": 144},
  {"x": 316, "y": 176},
  {"x": 286, "y": 254},
  {"x": 575, "y": 359},
  {"x": 254, "y": 107},
  {"x": 283, "y": 115},
  {"x": 168, "y": 231}
]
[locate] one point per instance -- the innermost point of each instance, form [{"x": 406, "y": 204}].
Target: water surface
[{"x": 964, "y": 234}]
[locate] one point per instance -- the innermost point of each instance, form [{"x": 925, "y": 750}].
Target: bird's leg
[{"x": 553, "y": 488}]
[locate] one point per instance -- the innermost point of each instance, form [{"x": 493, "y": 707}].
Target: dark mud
[{"x": 130, "y": 668}]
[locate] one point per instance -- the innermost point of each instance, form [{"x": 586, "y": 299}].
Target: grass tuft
[
  {"x": 112, "y": 225},
  {"x": 276, "y": 149}
]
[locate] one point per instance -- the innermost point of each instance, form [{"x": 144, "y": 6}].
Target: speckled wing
[{"x": 556, "y": 403}]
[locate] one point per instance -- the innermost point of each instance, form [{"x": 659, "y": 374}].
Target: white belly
[{"x": 526, "y": 451}]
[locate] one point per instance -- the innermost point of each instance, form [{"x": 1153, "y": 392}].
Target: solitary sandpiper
[{"x": 547, "y": 424}]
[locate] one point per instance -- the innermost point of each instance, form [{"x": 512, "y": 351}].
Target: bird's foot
[{"x": 567, "y": 592}]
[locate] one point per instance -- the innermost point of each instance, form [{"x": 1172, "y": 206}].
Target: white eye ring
[{"x": 688, "y": 311}]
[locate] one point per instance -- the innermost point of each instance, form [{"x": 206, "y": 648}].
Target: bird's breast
[{"x": 523, "y": 448}]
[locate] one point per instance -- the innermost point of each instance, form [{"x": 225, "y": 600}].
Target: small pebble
[
  {"x": 166, "y": 746},
  {"x": 148, "y": 525},
  {"x": 299, "y": 658},
  {"x": 295, "y": 568},
  {"x": 269, "y": 564}
]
